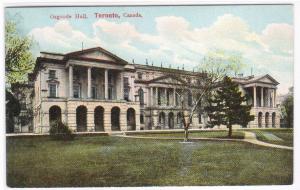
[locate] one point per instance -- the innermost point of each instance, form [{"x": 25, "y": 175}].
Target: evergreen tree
[
  {"x": 287, "y": 108},
  {"x": 226, "y": 106}
]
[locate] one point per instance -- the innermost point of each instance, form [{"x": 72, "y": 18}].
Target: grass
[
  {"x": 192, "y": 134},
  {"x": 114, "y": 161},
  {"x": 285, "y": 134}
]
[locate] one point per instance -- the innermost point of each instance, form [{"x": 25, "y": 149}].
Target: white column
[
  {"x": 151, "y": 97},
  {"x": 274, "y": 98},
  {"x": 89, "y": 85},
  {"x": 121, "y": 86},
  {"x": 262, "y": 97},
  {"x": 70, "y": 81},
  {"x": 268, "y": 98},
  {"x": 174, "y": 96},
  {"x": 106, "y": 84},
  {"x": 165, "y": 95},
  {"x": 254, "y": 96},
  {"x": 156, "y": 96}
]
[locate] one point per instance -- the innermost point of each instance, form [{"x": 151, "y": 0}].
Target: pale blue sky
[{"x": 175, "y": 35}]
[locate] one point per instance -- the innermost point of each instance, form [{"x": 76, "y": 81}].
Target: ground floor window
[
  {"x": 142, "y": 119},
  {"x": 54, "y": 114},
  {"x": 115, "y": 119}
]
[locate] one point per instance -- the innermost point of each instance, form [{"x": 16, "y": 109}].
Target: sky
[{"x": 262, "y": 35}]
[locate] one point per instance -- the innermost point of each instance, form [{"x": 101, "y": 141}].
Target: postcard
[{"x": 149, "y": 95}]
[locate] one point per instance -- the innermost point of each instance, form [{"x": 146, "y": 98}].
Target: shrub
[{"x": 60, "y": 131}]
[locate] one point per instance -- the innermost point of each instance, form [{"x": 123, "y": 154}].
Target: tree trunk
[
  {"x": 230, "y": 130},
  {"x": 186, "y": 133}
]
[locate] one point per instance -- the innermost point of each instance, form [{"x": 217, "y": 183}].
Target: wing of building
[{"x": 95, "y": 90}]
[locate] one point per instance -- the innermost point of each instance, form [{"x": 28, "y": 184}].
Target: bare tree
[{"x": 196, "y": 88}]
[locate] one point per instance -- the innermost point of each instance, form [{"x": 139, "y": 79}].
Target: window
[
  {"x": 126, "y": 88},
  {"x": 76, "y": 91},
  {"x": 52, "y": 74},
  {"x": 159, "y": 96},
  {"x": 188, "y": 80},
  {"x": 94, "y": 92},
  {"x": 142, "y": 119},
  {"x": 140, "y": 75},
  {"x": 76, "y": 75},
  {"x": 52, "y": 90},
  {"x": 168, "y": 97},
  {"x": 110, "y": 92},
  {"x": 199, "y": 118}
]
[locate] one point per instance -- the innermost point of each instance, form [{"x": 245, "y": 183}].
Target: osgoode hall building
[{"x": 94, "y": 90}]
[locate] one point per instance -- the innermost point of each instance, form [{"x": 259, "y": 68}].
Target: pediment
[
  {"x": 267, "y": 79},
  {"x": 97, "y": 54}
]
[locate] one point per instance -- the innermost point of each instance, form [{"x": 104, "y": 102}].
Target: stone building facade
[{"x": 95, "y": 90}]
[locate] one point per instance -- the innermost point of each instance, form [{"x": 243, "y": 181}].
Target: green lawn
[
  {"x": 192, "y": 134},
  {"x": 115, "y": 161},
  {"x": 285, "y": 134}
]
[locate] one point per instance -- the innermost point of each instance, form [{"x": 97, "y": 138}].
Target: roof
[
  {"x": 254, "y": 79},
  {"x": 167, "y": 70}
]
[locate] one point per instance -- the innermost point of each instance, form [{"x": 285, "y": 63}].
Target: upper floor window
[
  {"x": 52, "y": 74},
  {"x": 76, "y": 91},
  {"x": 52, "y": 90},
  {"x": 76, "y": 75},
  {"x": 94, "y": 92},
  {"x": 140, "y": 75},
  {"x": 126, "y": 88},
  {"x": 141, "y": 96},
  {"x": 110, "y": 79}
]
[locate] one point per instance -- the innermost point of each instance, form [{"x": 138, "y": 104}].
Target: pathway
[{"x": 250, "y": 137}]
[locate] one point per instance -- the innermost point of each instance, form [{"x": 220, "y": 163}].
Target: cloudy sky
[{"x": 172, "y": 35}]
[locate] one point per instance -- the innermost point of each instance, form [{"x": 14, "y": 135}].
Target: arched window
[
  {"x": 273, "y": 119},
  {"x": 259, "y": 119},
  {"x": 199, "y": 118},
  {"x": 99, "y": 118},
  {"x": 179, "y": 119},
  {"x": 81, "y": 117},
  {"x": 131, "y": 119},
  {"x": 142, "y": 118},
  {"x": 54, "y": 114},
  {"x": 162, "y": 119},
  {"x": 267, "y": 119},
  {"x": 171, "y": 120},
  {"x": 115, "y": 119}
]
